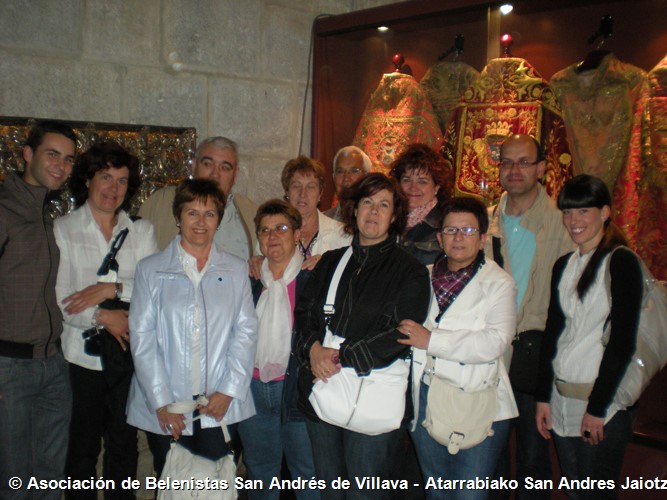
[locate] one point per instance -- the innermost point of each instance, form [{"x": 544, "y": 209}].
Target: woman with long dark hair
[{"x": 580, "y": 371}]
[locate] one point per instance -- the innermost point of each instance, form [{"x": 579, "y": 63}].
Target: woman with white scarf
[{"x": 278, "y": 427}]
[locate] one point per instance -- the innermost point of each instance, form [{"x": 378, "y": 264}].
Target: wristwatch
[{"x": 119, "y": 289}]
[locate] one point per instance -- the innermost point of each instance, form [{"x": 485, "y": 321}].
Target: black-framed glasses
[
  {"x": 523, "y": 163},
  {"x": 278, "y": 229},
  {"x": 465, "y": 231}
]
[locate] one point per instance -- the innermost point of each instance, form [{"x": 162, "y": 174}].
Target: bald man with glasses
[{"x": 526, "y": 237}]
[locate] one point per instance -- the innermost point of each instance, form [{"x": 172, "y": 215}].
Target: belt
[
  {"x": 575, "y": 391},
  {"x": 21, "y": 350}
]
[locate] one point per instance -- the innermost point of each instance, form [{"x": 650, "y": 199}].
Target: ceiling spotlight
[
  {"x": 382, "y": 29},
  {"x": 506, "y": 8}
]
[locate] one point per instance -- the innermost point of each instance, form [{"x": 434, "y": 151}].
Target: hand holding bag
[
  {"x": 99, "y": 342},
  {"x": 371, "y": 405},
  {"x": 198, "y": 477}
]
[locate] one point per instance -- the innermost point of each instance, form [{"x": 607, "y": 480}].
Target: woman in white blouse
[
  {"x": 103, "y": 182},
  {"x": 579, "y": 375}
]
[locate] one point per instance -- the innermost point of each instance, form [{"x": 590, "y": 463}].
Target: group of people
[{"x": 208, "y": 309}]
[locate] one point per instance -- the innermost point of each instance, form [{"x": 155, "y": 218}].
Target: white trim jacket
[
  {"x": 161, "y": 325},
  {"x": 468, "y": 342}
]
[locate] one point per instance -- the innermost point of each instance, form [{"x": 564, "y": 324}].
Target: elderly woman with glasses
[
  {"x": 278, "y": 428},
  {"x": 303, "y": 180},
  {"x": 460, "y": 349}
]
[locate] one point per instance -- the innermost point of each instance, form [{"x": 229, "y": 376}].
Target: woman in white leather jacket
[
  {"x": 194, "y": 332},
  {"x": 471, "y": 323}
]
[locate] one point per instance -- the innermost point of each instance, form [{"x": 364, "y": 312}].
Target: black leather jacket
[
  {"x": 422, "y": 240},
  {"x": 381, "y": 286}
]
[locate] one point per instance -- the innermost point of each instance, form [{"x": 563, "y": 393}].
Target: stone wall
[{"x": 236, "y": 68}]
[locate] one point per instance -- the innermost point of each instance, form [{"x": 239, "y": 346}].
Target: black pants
[{"x": 98, "y": 411}]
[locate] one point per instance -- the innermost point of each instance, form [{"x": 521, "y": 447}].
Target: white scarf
[{"x": 275, "y": 321}]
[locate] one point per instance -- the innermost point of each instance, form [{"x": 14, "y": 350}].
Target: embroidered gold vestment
[
  {"x": 508, "y": 97},
  {"x": 652, "y": 227},
  {"x": 397, "y": 114},
  {"x": 602, "y": 109}
]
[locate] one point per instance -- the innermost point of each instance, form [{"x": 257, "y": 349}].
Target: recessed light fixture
[
  {"x": 506, "y": 8},
  {"x": 382, "y": 29}
]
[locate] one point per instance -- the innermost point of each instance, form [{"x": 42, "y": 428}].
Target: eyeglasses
[
  {"x": 352, "y": 171},
  {"x": 465, "y": 231},
  {"x": 522, "y": 164},
  {"x": 278, "y": 229}
]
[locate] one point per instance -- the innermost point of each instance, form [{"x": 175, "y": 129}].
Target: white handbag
[
  {"x": 371, "y": 405},
  {"x": 650, "y": 354},
  {"x": 457, "y": 419},
  {"x": 186, "y": 475}
]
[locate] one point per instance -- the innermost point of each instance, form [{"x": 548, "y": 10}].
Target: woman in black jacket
[{"x": 380, "y": 286}]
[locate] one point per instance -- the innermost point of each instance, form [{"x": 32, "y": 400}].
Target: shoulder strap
[
  {"x": 109, "y": 262},
  {"x": 329, "y": 308},
  {"x": 497, "y": 256},
  {"x": 495, "y": 245},
  {"x": 606, "y": 329},
  {"x": 647, "y": 277}
]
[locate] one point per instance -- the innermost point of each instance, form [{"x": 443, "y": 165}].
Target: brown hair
[
  {"x": 422, "y": 158},
  {"x": 278, "y": 207},
  {"x": 201, "y": 190},
  {"x": 467, "y": 205},
  {"x": 367, "y": 186},
  {"x": 304, "y": 165},
  {"x": 102, "y": 156}
]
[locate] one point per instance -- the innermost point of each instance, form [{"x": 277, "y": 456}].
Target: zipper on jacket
[
  {"x": 350, "y": 287},
  {"x": 48, "y": 311}
]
